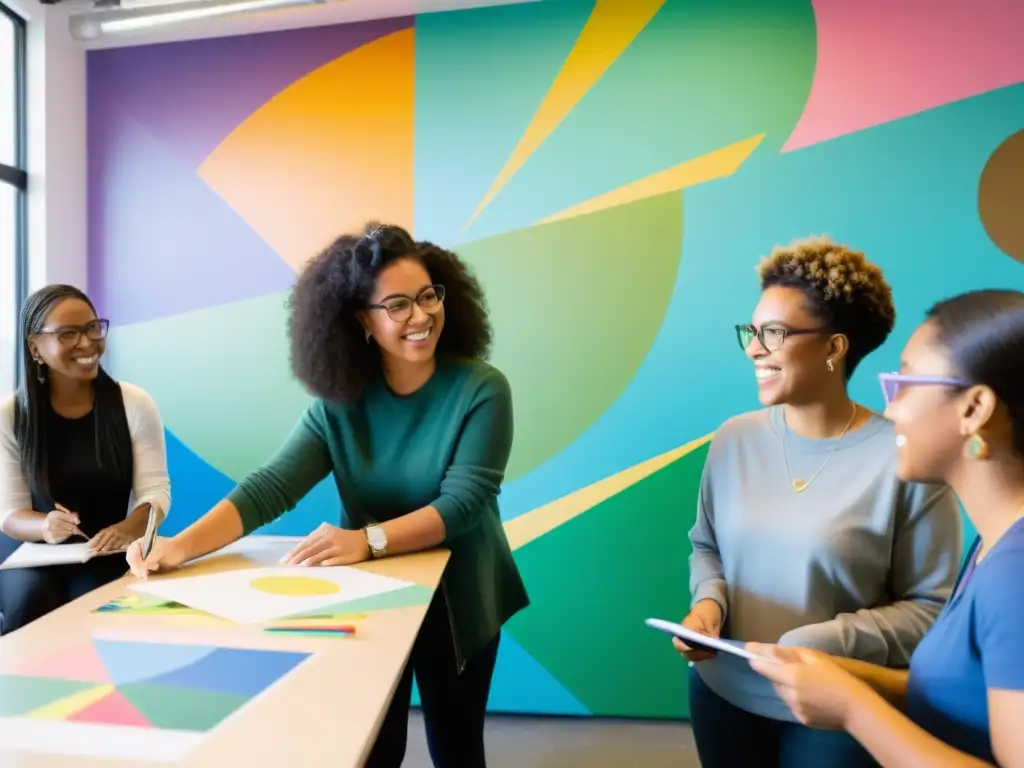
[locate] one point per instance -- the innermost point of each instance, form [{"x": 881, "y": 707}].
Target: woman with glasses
[
  {"x": 958, "y": 410},
  {"x": 804, "y": 533},
  {"x": 82, "y": 457},
  {"x": 390, "y": 335}
]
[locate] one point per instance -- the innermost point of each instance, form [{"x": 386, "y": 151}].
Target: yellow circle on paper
[{"x": 295, "y": 586}]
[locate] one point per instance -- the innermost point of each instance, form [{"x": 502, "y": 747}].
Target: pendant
[{"x": 799, "y": 485}]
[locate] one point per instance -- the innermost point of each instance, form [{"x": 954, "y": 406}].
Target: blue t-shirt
[{"x": 977, "y": 643}]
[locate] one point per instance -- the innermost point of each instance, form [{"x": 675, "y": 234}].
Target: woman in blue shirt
[{"x": 958, "y": 408}]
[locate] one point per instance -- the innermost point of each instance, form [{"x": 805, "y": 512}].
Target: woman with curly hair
[
  {"x": 805, "y": 535},
  {"x": 390, "y": 337}
]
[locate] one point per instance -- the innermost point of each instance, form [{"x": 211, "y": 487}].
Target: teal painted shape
[
  {"x": 700, "y": 76},
  {"x": 480, "y": 75},
  {"x": 522, "y": 685},
  {"x": 970, "y": 534},
  {"x": 905, "y": 192}
]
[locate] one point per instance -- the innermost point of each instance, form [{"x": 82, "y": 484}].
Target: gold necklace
[{"x": 799, "y": 485}]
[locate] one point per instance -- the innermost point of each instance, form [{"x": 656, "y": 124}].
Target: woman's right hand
[
  {"x": 60, "y": 525},
  {"x": 706, "y": 618},
  {"x": 167, "y": 554}
]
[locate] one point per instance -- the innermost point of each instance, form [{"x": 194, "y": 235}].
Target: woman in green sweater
[{"x": 389, "y": 335}]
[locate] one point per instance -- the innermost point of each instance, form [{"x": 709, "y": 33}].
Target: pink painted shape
[
  {"x": 81, "y": 663},
  {"x": 112, "y": 709},
  {"x": 882, "y": 60}
]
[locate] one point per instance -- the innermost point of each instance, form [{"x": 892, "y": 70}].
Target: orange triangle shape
[
  {"x": 112, "y": 709},
  {"x": 81, "y": 663}
]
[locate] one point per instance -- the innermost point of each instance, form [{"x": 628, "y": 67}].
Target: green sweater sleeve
[
  {"x": 472, "y": 481},
  {"x": 277, "y": 487}
]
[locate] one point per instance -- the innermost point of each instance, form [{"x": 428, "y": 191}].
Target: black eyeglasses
[
  {"x": 399, "y": 308},
  {"x": 771, "y": 339},
  {"x": 71, "y": 335}
]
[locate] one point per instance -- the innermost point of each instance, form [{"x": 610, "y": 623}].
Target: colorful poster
[{"x": 132, "y": 700}]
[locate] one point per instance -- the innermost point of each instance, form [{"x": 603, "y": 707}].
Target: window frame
[{"x": 17, "y": 176}]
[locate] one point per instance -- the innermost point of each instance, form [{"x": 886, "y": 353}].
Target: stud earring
[
  {"x": 977, "y": 448},
  {"x": 831, "y": 367}
]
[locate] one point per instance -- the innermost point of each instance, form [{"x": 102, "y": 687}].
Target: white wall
[{"x": 57, "y": 212}]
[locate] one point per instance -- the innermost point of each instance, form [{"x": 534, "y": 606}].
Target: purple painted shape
[
  {"x": 161, "y": 242},
  {"x": 192, "y": 94}
]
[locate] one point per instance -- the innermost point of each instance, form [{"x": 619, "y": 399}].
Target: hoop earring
[
  {"x": 368, "y": 335},
  {"x": 831, "y": 368},
  {"x": 40, "y": 372},
  {"x": 977, "y": 448}
]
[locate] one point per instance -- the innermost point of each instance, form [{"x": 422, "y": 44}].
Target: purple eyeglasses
[{"x": 892, "y": 383}]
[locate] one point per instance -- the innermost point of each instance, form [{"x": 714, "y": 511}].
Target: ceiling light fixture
[{"x": 92, "y": 26}]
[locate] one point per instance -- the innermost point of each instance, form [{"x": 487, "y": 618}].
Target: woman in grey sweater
[{"x": 804, "y": 533}]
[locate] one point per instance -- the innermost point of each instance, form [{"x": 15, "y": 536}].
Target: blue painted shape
[
  {"x": 239, "y": 671},
  {"x": 196, "y": 487},
  {"x": 320, "y": 505},
  {"x": 148, "y": 256},
  {"x": 926, "y": 200},
  {"x": 134, "y": 662},
  {"x": 522, "y": 685}
]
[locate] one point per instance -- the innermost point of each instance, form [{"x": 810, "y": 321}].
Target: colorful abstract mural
[{"x": 612, "y": 170}]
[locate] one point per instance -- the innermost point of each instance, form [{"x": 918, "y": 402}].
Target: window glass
[
  {"x": 8, "y": 91},
  {"x": 12, "y": 189},
  {"x": 8, "y": 286}
]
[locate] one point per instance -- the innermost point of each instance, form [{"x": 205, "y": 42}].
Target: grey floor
[{"x": 528, "y": 742}]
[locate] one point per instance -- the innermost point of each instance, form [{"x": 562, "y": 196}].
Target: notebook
[
  {"x": 32, "y": 555},
  {"x": 701, "y": 642}
]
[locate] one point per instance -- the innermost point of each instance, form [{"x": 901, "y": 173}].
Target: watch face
[{"x": 377, "y": 538}]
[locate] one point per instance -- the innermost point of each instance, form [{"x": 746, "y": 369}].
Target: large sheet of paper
[
  {"x": 142, "y": 702},
  {"x": 256, "y": 595},
  {"x": 33, "y": 555}
]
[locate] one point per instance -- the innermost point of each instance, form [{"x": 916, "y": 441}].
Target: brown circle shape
[{"x": 1001, "y": 197}]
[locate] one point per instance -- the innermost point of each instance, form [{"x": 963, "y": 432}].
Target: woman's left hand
[
  {"x": 329, "y": 545},
  {"x": 817, "y": 690},
  {"x": 113, "y": 538}
]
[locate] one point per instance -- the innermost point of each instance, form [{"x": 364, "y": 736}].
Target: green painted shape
[
  {"x": 596, "y": 578},
  {"x": 575, "y": 306},
  {"x": 398, "y": 598},
  {"x": 700, "y": 76},
  {"x": 20, "y": 694},
  {"x": 235, "y": 400},
  {"x": 181, "y": 709}
]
